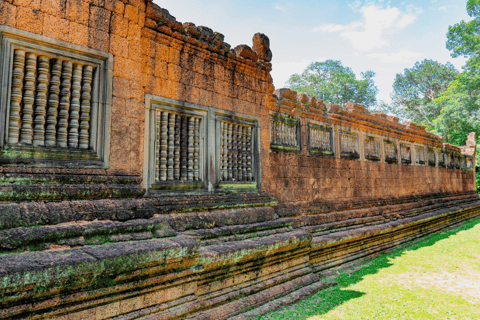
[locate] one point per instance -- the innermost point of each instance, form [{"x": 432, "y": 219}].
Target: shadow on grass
[{"x": 324, "y": 301}]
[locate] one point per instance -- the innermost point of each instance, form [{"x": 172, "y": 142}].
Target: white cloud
[
  {"x": 330, "y": 27},
  {"x": 355, "y": 5},
  {"x": 279, "y": 7},
  {"x": 375, "y": 29},
  {"x": 443, "y": 8},
  {"x": 282, "y": 70},
  {"x": 403, "y": 56}
]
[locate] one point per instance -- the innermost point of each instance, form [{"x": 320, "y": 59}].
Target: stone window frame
[
  {"x": 378, "y": 139},
  {"x": 154, "y": 185},
  {"x": 402, "y": 160},
  {"x": 209, "y": 145},
  {"x": 415, "y": 147},
  {"x": 441, "y": 158},
  {"x": 353, "y": 132},
  {"x": 457, "y": 158},
  {"x": 240, "y": 119},
  {"x": 428, "y": 162},
  {"x": 469, "y": 163},
  {"x": 463, "y": 162},
  {"x": 394, "y": 142},
  {"x": 449, "y": 159},
  {"x": 318, "y": 124},
  {"x": 285, "y": 118},
  {"x": 100, "y": 130}
]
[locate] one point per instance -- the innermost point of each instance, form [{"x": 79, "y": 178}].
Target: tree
[
  {"x": 415, "y": 90},
  {"x": 461, "y": 102},
  {"x": 334, "y": 83},
  {"x": 459, "y": 111},
  {"x": 463, "y": 38}
]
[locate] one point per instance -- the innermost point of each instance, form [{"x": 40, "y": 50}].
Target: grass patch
[{"x": 437, "y": 277}]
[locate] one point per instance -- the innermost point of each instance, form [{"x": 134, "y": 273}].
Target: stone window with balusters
[
  {"x": 56, "y": 103},
  {"x": 419, "y": 155},
  {"x": 371, "y": 148},
  {"x": 431, "y": 157},
  {"x": 405, "y": 153},
  {"x": 349, "y": 147},
  {"x": 390, "y": 149},
  {"x": 184, "y": 137},
  {"x": 320, "y": 139},
  {"x": 285, "y": 133}
]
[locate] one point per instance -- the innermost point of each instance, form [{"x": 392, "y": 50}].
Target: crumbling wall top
[
  {"x": 300, "y": 104},
  {"x": 160, "y": 20}
]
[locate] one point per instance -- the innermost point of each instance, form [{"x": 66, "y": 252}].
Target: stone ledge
[{"x": 32, "y": 275}]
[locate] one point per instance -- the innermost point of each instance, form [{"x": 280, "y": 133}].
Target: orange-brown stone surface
[{"x": 107, "y": 252}]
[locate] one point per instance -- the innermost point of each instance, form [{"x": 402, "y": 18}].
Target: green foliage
[
  {"x": 459, "y": 111},
  {"x": 463, "y": 38},
  {"x": 415, "y": 90},
  {"x": 439, "y": 97},
  {"x": 334, "y": 83}
]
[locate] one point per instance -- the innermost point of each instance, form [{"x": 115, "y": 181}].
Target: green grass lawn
[{"x": 435, "y": 278}]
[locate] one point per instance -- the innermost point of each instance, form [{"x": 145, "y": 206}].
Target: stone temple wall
[
  {"x": 379, "y": 167},
  {"x": 150, "y": 171}
]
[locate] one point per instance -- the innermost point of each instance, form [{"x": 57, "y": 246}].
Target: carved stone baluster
[
  {"x": 249, "y": 154},
  {"x": 191, "y": 147},
  {"x": 292, "y": 136},
  {"x": 158, "y": 129},
  {"x": 196, "y": 155},
  {"x": 235, "y": 152},
  {"x": 84, "y": 136},
  {"x": 287, "y": 134},
  {"x": 282, "y": 132},
  {"x": 75, "y": 107},
  {"x": 275, "y": 132},
  {"x": 240, "y": 153},
  {"x": 322, "y": 139},
  {"x": 62, "y": 132},
  {"x": 176, "y": 160},
  {"x": 230, "y": 152},
  {"x": 171, "y": 145},
  {"x": 16, "y": 96},
  {"x": 322, "y": 135},
  {"x": 41, "y": 101},
  {"x": 26, "y": 132},
  {"x": 328, "y": 140},
  {"x": 278, "y": 132},
  {"x": 222, "y": 149},
  {"x": 272, "y": 132},
  {"x": 225, "y": 151},
  {"x": 163, "y": 146},
  {"x": 183, "y": 150},
  {"x": 244, "y": 153},
  {"x": 53, "y": 100}
]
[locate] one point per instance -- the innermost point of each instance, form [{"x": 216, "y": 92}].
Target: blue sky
[{"x": 383, "y": 36}]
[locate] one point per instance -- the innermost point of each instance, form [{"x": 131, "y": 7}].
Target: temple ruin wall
[{"x": 150, "y": 170}]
